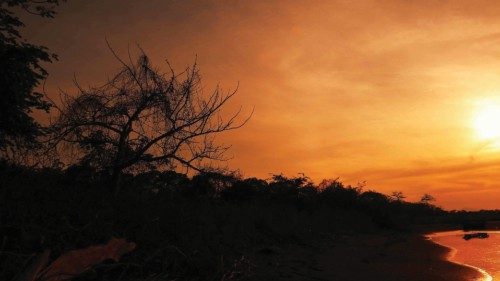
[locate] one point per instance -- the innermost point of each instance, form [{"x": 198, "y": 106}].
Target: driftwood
[{"x": 76, "y": 262}]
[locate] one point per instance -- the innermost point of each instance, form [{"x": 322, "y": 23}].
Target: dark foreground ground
[{"x": 386, "y": 256}]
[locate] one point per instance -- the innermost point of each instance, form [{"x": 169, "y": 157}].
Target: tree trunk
[{"x": 115, "y": 180}]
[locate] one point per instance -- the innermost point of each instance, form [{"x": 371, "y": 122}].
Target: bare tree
[{"x": 145, "y": 118}]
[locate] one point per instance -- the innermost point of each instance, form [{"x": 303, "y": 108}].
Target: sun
[{"x": 487, "y": 122}]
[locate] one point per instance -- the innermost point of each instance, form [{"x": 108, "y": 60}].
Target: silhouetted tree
[
  {"x": 283, "y": 185},
  {"x": 20, "y": 73},
  {"x": 398, "y": 196},
  {"x": 145, "y": 119},
  {"x": 427, "y": 199}
]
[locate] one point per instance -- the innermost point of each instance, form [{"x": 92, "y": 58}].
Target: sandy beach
[{"x": 389, "y": 257}]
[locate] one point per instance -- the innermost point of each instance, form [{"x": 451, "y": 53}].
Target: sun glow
[{"x": 487, "y": 122}]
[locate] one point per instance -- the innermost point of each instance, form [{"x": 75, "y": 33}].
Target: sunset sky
[{"x": 404, "y": 95}]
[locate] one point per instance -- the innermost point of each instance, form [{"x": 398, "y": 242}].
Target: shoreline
[
  {"x": 377, "y": 256},
  {"x": 452, "y": 251}
]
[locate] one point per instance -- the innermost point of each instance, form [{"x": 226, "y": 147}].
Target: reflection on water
[{"x": 481, "y": 253}]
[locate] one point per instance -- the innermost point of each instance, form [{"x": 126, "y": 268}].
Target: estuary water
[{"x": 483, "y": 254}]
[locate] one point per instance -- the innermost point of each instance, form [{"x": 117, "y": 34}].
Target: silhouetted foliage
[
  {"x": 337, "y": 194},
  {"x": 245, "y": 190},
  {"x": 427, "y": 198},
  {"x": 398, "y": 196},
  {"x": 21, "y": 71},
  {"x": 183, "y": 226},
  {"x": 143, "y": 120},
  {"x": 211, "y": 184}
]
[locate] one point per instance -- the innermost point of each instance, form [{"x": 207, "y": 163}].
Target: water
[{"x": 483, "y": 254}]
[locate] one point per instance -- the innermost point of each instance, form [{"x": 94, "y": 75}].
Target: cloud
[{"x": 360, "y": 89}]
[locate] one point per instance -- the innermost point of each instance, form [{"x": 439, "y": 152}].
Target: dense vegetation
[
  {"x": 208, "y": 227},
  {"x": 21, "y": 72}
]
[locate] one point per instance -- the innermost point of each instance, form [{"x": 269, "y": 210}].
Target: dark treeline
[{"x": 208, "y": 227}]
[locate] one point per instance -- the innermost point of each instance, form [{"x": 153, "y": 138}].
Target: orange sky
[{"x": 379, "y": 91}]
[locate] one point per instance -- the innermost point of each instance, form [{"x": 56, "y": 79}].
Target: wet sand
[{"x": 388, "y": 257}]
